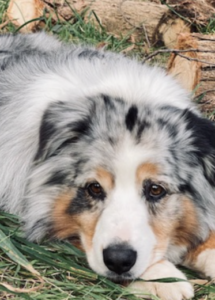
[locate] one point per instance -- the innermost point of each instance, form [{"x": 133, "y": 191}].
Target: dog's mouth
[{"x": 123, "y": 278}]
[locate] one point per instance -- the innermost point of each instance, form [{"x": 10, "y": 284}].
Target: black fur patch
[
  {"x": 57, "y": 178},
  {"x": 203, "y": 133},
  {"x": 47, "y": 129},
  {"x": 79, "y": 203},
  {"x": 186, "y": 188},
  {"x": 107, "y": 101},
  {"x": 131, "y": 117},
  {"x": 55, "y": 135},
  {"x": 77, "y": 167},
  {"x": 81, "y": 127},
  {"x": 90, "y": 54},
  {"x": 171, "y": 128},
  {"x": 5, "y": 52},
  {"x": 141, "y": 127}
]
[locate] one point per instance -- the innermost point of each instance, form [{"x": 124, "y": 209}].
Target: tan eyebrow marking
[
  {"x": 146, "y": 170},
  {"x": 105, "y": 178}
]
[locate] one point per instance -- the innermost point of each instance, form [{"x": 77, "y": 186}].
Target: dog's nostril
[{"x": 119, "y": 258}]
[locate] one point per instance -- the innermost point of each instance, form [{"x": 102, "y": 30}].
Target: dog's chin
[{"x": 120, "y": 278}]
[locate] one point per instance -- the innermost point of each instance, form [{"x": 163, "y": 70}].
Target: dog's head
[{"x": 133, "y": 182}]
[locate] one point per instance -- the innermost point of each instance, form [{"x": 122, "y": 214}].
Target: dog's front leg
[
  {"x": 202, "y": 258},
  {"x": 166, "y": 291}
]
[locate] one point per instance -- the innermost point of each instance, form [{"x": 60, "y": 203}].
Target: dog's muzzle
[{"x": 119, "y": 258}]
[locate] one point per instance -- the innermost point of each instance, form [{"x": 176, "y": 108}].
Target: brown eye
[
  {"x": 153, "y": 192},
  {"x": 156, "y": 190},
  {"x": 95, "y": 190}
]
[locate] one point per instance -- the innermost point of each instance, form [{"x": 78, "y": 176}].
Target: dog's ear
[
  {"x": 203, "y": 142},
  {"x": 62, "y": 124}
]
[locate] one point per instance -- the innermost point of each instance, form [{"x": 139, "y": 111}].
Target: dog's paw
[
  {"x": 165, "y": 291},
  {"x": 205, "y": 263}
]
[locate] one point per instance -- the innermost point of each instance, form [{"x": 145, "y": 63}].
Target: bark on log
[
  {"x": 186, "y": 71},
  {"x": 198, "y": 12},
  {"x": 144, "y": 19},
  {"x": 196, "y": 72}
]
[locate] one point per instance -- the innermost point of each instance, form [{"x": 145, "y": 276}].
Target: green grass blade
[{"x": 13, "y": 253}]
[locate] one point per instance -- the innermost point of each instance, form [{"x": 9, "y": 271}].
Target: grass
[{"x": 57, "y": 270}]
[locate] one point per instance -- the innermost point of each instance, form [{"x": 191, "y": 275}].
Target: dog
[{"x": 110, "y": 154}]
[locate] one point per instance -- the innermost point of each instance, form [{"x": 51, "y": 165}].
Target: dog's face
[{"x": 126, "y": 179}]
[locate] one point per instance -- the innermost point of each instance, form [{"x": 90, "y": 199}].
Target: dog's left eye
[
  {"x": 95, "y": 190},
  {"x": 154, "y": 192}
]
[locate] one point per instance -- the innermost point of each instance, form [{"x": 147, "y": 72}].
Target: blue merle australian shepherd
[{"x": 100, "y": 147}]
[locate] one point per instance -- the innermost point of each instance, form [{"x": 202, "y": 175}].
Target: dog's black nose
[{"x": 119, "y": 258}]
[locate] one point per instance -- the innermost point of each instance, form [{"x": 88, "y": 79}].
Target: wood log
[
  {"x": 196, "y": 70},
  {"x": 146, "y": 20},
  {"x": 186, "y": 71},
  {"x": 159, "y": 22},
  {"x": 118, "y": 17},
  {"x": 22, "y": 11},
  {"x": 198, "y": 12}
]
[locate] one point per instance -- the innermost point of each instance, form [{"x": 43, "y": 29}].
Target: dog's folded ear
[
  {"x": 203, "y": 143},
  {"x": 62, "y": 124}
]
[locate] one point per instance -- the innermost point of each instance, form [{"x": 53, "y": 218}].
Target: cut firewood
[
  {"x": 118, "y": 17},
  {"x": 169, "y": 30},
  {"x": 195, "y": 70},
  {"x": 147, "y": 19},
  {"x": 185, "y": 70},
  {"x": 153, "y": 20},
  {"x": 21, "y": 11},
  {"x": 198, "y": 12}
]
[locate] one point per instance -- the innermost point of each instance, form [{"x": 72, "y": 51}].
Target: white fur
[
  {"x": 124, "y": 214},
  {"x": 205, "y": 263},
  {"x": 166, "y": 291}
]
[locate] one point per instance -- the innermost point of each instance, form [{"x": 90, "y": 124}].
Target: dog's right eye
[
  {"x": 153, "y": 191},
  {"x": 95, "y": 190}
]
